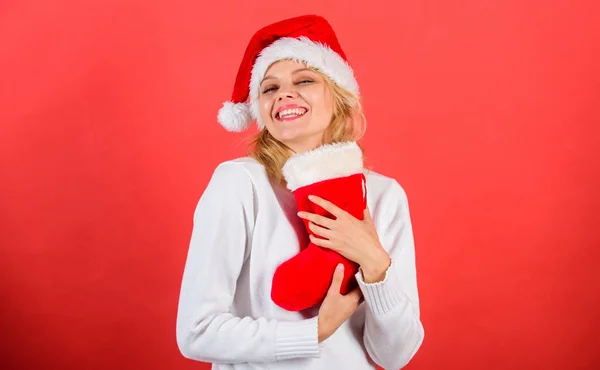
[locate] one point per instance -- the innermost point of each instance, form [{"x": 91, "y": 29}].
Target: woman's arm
[
  {"x": 393, "y": 331},
  {"x": 206, "y": 330}
]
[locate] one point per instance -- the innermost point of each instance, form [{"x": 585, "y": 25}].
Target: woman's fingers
[
  {"x": 318, "y": 219},
  {"x": 338, "y": 277},
  {"x": 321, "y": 231}
]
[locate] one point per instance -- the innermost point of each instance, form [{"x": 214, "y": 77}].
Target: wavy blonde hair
[{"x": 348, "y": 123}]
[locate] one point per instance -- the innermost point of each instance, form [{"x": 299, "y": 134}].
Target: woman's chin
[{"x": 291, "y": 132}]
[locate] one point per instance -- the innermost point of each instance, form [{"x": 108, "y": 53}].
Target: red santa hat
[{"x": 309, "y": 39}]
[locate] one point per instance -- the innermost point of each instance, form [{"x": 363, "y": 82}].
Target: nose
[{"x": 287, "y": 93}]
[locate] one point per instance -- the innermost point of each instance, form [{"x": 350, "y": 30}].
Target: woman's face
[{"x": 295, "y": 105}]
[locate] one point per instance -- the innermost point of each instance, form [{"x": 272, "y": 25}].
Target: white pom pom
[{"x": 234, "y": 117}]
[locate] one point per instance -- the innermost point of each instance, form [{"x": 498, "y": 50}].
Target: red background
[{"x": 486, "y": 112}]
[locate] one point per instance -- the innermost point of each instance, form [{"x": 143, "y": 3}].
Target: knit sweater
[{"x": 244, "y": 226}]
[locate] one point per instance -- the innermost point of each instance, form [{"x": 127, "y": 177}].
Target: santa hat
[{"x": 308, "y": 39}]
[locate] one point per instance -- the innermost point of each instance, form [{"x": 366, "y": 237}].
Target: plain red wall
[{"x": 487, "y": 112}]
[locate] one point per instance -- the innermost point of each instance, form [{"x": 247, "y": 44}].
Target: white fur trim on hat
[
  {"x": 304, "y": 50},
  {"x": 235, "y": 117},
  {"x": 326, "y": 162}
]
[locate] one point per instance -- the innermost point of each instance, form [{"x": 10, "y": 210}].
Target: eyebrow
[{"x": 296, "y": 71}]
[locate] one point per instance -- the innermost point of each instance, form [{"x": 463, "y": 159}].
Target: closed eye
[{"x": 271, "y": 88}]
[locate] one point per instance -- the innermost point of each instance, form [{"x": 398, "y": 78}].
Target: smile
[{"x": 290, "y": 114}]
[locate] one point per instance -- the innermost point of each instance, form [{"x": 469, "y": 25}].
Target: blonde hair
[{"x": 348, "y": 123}]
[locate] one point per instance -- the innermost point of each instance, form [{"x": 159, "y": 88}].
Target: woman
[{"x": 303, "y": 95}]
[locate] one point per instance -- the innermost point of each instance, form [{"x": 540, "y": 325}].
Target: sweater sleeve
[
  {"x": 393, "y": 331},
  {"x": 206, "y": 330}
]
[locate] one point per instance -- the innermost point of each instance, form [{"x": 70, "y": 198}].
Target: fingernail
[
  {"x": 339, "y": 267},
  {"x": 311, "y": 197}
]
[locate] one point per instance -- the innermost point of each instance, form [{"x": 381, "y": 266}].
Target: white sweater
[{"x": 244, "y": 227}]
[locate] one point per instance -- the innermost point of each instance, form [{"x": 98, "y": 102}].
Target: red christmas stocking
[{"x": 333, "y": 172}]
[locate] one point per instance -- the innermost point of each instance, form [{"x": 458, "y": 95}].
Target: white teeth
[{"x": 291, "y": 112}]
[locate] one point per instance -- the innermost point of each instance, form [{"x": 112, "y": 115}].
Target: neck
[{"x": 304, "y": 145}]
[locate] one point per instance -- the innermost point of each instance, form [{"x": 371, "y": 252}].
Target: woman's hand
[
  {"x": 355, "y": 239},
  {"x": 336, "y": 308}
]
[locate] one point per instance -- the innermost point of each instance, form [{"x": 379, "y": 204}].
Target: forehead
[{"x": 283, "y": 67}]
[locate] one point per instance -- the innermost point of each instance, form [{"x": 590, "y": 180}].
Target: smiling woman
[
  {"x": 256, "y": 293},
  {"x": 296, "y": 105},
  {"x": 301, "y": 109}
]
